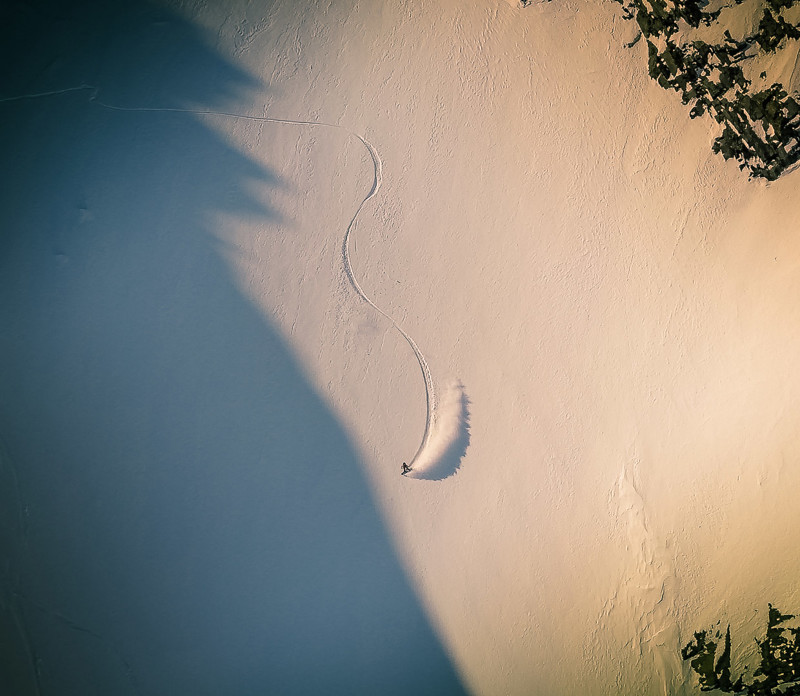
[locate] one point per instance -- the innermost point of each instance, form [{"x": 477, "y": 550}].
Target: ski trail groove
[{"x": 430, "y": 394}]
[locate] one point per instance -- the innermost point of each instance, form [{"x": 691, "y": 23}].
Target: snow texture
[{"x": 230, "y": 305}]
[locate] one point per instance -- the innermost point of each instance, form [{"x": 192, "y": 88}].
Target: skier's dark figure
[{"x": 406, "y": 469}]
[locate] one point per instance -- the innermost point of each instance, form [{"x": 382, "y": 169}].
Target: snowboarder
[{"x": 406, "y": 469}]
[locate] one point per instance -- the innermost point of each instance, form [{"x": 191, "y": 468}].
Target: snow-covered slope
[{"x": 553, "y": 233}]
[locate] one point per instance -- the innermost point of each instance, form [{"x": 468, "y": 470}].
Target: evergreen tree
[
  {"x": 761, "y": 130},
  {"x": 778, "y": 671}
]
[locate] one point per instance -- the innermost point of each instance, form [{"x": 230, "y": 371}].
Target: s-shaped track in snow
[{"x": 430, "y": 394}]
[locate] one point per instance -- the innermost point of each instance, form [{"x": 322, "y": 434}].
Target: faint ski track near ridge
[
  {"x": 460, "y": 425},
  {"x": 112, "y": 650},
  {"x": 12, "y": 599},
  {"x": 8, "y": 591}
]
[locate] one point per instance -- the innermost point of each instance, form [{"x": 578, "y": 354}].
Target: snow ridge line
[
  {"x": 430, "y": 394},
  {"x": 110, "y": 647}
]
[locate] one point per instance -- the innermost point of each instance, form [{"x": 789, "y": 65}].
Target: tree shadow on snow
[{"x": 195, "y": 519}]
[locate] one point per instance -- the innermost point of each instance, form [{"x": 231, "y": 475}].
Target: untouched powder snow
[{"x": 208, "y": 392}]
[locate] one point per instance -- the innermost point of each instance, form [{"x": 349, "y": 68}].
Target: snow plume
[{"x": 447, "y": 438}]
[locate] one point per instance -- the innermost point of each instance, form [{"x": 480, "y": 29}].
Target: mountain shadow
[{"x": 188, "y": 516}]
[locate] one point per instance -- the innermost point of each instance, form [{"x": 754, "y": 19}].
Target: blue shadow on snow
[{"x": 195, "y": 519}]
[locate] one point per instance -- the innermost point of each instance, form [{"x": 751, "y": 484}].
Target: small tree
[
  {"x": 778, "y": 672},
  {"x": 761, "y": 130}
]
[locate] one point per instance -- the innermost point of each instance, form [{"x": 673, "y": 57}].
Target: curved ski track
[{"x": 430, "y": 394}]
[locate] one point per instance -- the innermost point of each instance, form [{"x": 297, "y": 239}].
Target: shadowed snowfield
[{"x": 203, "y": 422}]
